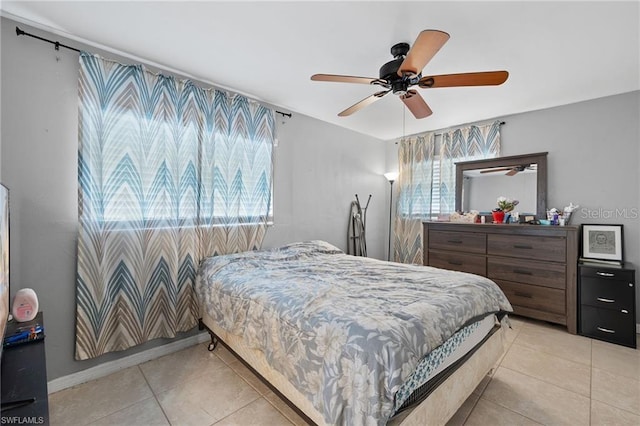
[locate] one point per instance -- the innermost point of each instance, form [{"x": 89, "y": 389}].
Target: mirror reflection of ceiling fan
[
  {"x": 512, "y": 171},
  {"x": 405, "y": 71}
]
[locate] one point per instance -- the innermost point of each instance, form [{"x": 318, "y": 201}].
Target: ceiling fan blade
[
  {"x": 416, "y": 104},
  {"x": 502, "y": 169},
  {"x": 363, "y": 103},
  {"x": 342, "y": 78},
  {"x": 512, "y": 172},
  {"x": 488, "y": 78},
  {"x": 424, "y": 48}
]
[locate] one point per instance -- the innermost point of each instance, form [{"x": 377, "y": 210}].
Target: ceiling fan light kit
[{"x": 405, "y": 71}]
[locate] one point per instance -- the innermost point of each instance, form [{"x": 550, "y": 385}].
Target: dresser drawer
[
  {"x": 607, "y": 273},
  {"x": 472, "y": 263},
  {"x": 527, "y": 246},
  {"x": 469, "y": 242},
  {"x": 608, "y": 294},
  {"x": 606, "y": 324},
  {"x": 527, "y": 271},
  {"x": 531, "y": 296}
]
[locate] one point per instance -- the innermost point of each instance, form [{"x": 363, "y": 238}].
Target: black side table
[
  {"x": 24, "y": 382},
  {"x": 607, "y": 298}
]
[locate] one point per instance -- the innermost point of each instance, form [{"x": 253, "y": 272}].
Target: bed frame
[{"x": 436, "y": 409}]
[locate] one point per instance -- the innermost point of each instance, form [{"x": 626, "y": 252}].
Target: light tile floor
[{"x": 547, "y": 376}]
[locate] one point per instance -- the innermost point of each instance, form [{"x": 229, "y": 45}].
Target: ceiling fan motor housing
[{"x": 389, "y": 71}]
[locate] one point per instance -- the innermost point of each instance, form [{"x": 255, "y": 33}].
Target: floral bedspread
[{"x": 346, "y": 331}]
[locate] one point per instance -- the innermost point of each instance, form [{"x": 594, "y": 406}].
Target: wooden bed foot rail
[{"x": 214, "y": 338}]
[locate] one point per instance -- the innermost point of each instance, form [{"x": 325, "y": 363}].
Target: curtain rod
[{"x": 58, "y": 45}]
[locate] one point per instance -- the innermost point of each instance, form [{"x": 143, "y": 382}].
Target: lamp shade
[{"x": 391, "y": 176}]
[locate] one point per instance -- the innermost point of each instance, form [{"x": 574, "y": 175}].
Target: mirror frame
[{"x": 540, "y": 158}]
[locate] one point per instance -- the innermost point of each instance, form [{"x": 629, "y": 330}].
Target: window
[{"x": 159, "y": 170}]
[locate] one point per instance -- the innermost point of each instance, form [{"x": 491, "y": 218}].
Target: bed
[{"x": 353, "y": 340}]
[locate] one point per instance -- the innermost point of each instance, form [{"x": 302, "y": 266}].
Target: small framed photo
[{"x": 602, "y": 242}]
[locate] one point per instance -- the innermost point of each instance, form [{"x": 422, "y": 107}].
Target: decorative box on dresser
[
  {"x": 535, "y": 266},
  {"x": 607, "y": 309}
]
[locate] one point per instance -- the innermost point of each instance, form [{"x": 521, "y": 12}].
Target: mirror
[{"x": 479, "y": 183}]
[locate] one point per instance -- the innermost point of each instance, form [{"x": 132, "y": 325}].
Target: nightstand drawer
[
  {"x": 529, "y": 247},
  {"x": 611, "y": 326},
  {"x": 469, "y": 242},
  {"x": 608, "y": 294},
  {"x": 472, "y": 263},
  {"x": 607, "y": 273},
  {"x": 527, "y": 271}
]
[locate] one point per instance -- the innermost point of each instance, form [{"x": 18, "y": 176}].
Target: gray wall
[
  {"x": 593, "y": 161},
  {"x": 319, "y": 168}
]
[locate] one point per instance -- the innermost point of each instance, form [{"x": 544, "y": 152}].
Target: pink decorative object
[{"x": 25, "y": 305}]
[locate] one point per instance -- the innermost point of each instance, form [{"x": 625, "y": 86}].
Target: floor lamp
[{"x": 391, "y": 177}]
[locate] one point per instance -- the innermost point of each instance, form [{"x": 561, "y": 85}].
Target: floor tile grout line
[
  {"x": 181, "y": 382},
  {"x": 490, "y": 379},
  {"x": 154, "y": 395},
  {"x": 466, "y": 418},
  {"x": 131, "y": 404},
  {"x": 258, "y": 391},
  {"x": 506, "y": 408},
  {"x": 279, "y": 410},
  {"x": 616, "y": 407},
  {"x": 520, "y": 345},
  {"x": 547, "y": 382},
  {"x": 118, "y": 410},
  {"x": 616, "y": 374},
  {"x": 239, "y": 408}
]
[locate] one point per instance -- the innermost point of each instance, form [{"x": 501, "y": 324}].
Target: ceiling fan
[
  {"x": 512, "y": 171},
  {"x": 405, "y": 71}
]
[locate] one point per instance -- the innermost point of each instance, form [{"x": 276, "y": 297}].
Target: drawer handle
[
  {"x": 602, "y": 299},
  {"x": 624, "y": 311},
  {"x": 455, "y": 262},
  {"x": 527, "y": 295},
  {"x": 605, "y": 274},
  {"x": 522, "y": 272},
  {"x": 520, "y": 246},
  {"x": 606, "y": 330},
  {"x": 455, "y": 241}
]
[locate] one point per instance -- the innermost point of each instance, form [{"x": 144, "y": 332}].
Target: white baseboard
[{"x": 110, "y": 367}]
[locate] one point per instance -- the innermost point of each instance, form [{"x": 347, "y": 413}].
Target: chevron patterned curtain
[
  {"x": 416, "y": 156},
  {"x": 168, "y": 173},
  {"x": 427, "y": 180},
  {"x": 464, "y": 144}
]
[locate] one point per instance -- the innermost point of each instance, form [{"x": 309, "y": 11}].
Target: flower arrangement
[{"x": 506, "y": 204}]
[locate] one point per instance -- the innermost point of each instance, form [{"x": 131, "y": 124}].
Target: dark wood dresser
[
  {"x": 608, "y": 303},
  {"x": 535, "y": 266}
]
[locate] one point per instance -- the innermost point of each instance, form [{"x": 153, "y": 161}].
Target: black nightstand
[
  {"x": 607, "y": 298},
  {"x": 24, "y": 382}
]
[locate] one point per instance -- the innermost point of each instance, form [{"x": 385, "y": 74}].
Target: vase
[{"x": 498, "y": 217}]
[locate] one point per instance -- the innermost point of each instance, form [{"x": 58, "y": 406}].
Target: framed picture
[{"x": 603, "y": 242}]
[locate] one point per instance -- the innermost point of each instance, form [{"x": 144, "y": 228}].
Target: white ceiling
[{"x": 556, "y": 53}]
